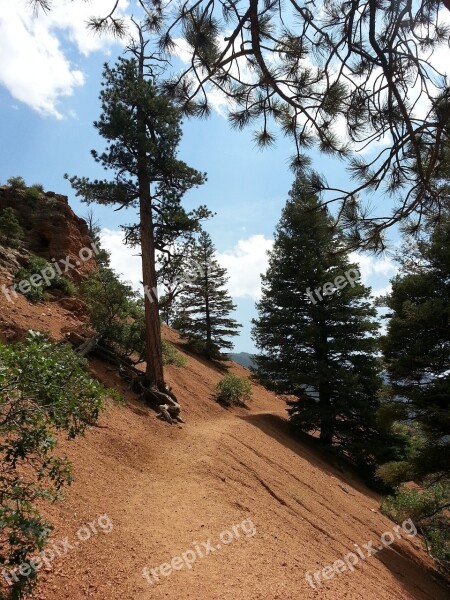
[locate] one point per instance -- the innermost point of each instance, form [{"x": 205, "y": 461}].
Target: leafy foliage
[
  {"x": 233, "y": 390},
  {"x": 102, "y": 256},
  {"x": 143, "y": 129},
  {"x": 37, "y": 292},
  {"x": 44, "y": 388},
  {"x": 205, "y": 305},
  {"x": 173, "y": 272},
  {"x": 425, "y": 509},
  {"x": 116, "y": 312},
  {"x": 306, "y": 69},
  {"x": 171, "y": 356},
  {"x": 32, "y": 196},
  {"x": 125, "y": 94},
  {"x": 16, "y": 182},
  {"x": 417, "y": 353},
  {"x": 11, "y": 232}
]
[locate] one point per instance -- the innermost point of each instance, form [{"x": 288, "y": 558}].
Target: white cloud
[
  {"x": 72, "y": 17},
  {"x": 382, "y": 291},
  {"x": 34, "y": 66},
  {"x": 182, "y": 50},
  {"x": 244, "y": 263},
  {"x": 124, "y": 260},
  {"x": 371, "y": 266}
]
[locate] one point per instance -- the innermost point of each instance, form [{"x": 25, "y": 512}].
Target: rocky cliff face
[{"x": 51, "y": 230}]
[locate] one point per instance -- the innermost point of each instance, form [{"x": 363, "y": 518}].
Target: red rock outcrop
[{"x": 51, "y": 229}]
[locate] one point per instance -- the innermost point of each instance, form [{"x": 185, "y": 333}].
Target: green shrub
[
  {"x": 233, "y": 390},
  {"x": 428, "y": 509},
  {"x": 36, "y": 293},
  {"x": 10, "y": 230},
  {"x": 111, "y": 305},
  {"x": 18, "y": 183},
  {"x": 172, "y": 356},
  {"x": 32, "y": 196},
  {"x": 39, "y": 187},
  {"x": 64, "y": 284},
  {"x": 44, "y": 389}
]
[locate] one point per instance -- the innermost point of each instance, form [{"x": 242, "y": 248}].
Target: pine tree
[
  {"x": 172, "y": 268},
  {"x": 416, "y": 349},
  {"x": 204, "y": 319},
  {"x": 319, "y": 346},
  {"x": 417, "y": 355},
  {"x": 143, "y": 131}
]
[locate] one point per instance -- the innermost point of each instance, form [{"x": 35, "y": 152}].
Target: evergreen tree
[
  {"x": 417, "y": 354},
  {"x": 204, "y": 319},
  {"x": 319, "y": 346},
  {"x": 416, "y": 349},
  {"x": 172, "y": 269},
  {"x": 143, "y": 131}
]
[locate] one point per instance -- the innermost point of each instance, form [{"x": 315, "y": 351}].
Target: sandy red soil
[{"x": 165, "y": 488}]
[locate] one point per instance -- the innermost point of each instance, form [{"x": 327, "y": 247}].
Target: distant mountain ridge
[{"x": 242, "y": 358}]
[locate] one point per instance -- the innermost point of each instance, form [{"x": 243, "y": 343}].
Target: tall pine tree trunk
[
  {"x": 154, "y": 372},
  {"x": 327, "y": 420}
]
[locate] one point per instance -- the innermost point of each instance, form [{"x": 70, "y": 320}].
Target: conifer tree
[
  {"x": 316, "y": 331},
  {"x": 204, "y": 319},
  {"x": 417, "y": 355},
  {"x": 416, "y": 350},
  {"x": 143, "y": 131}
]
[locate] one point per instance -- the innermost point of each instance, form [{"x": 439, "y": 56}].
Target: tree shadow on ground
[{"x": 420, "y": 580}]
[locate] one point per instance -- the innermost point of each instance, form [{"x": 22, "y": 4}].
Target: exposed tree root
[{"x": 163, "y": 401}]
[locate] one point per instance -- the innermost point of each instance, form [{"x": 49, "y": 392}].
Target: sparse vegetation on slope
[
  {"x": 34, "y": 406},
  {"x": 233, "y": 390},
  {"x": 11, "y": 233}
]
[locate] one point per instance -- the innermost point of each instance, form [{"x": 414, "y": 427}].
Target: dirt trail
[{"x": 166, "y": 489}]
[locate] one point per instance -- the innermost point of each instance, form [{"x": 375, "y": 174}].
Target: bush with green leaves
[
  {"x": 36, "y": 293},
  {"x": 32, "y": 196},
  {"x": 429, "y": 510},
  {"x": 16, "y": 182},
  {"x": 233, "y": 390},
  {"x": 11, "y": 233},
  {"x": 44, "y": 389},
  {"x": 39, "y": 187},
  {"x": 115, "y": 311},
  {"x": 172, "y": 356}
]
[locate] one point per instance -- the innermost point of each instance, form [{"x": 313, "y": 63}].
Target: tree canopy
[
  {"x": 345, "y": 77},
  {"x": 205, "y": 304},
  {"x": 317, "y": 333},
  {"x": 143, "y": 129}
]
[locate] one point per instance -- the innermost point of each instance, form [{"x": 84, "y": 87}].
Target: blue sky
[{"x": 50, "y": 74}]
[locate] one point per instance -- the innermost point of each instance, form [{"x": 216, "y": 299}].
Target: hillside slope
[{"x": 167, "y": 489}]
